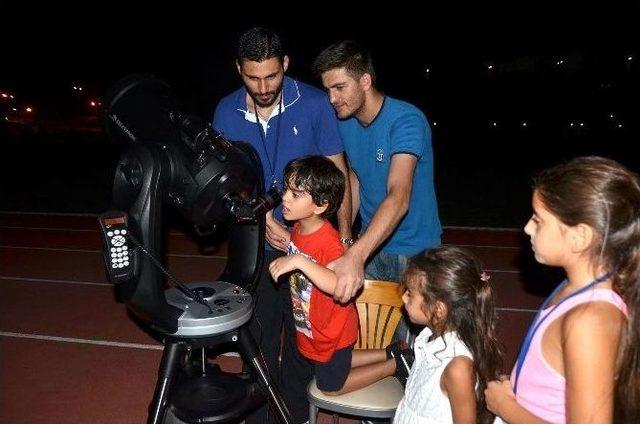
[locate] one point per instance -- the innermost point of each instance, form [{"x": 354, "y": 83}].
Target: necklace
[
  {"x": 272, "y": 164},
  {"x": 526, "y": 344}
]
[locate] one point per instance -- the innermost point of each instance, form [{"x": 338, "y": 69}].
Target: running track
[{"x": 70, "y": 354}]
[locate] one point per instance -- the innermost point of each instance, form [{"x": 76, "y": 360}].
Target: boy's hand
[
  {"x": 283, "y": 265},
  {"x": 277, "y": 234}
]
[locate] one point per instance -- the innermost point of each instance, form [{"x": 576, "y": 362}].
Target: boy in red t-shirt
[{"x": 326, "y": 330}]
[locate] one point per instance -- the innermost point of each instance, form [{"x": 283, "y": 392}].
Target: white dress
[{"x": 423, "y": 401}]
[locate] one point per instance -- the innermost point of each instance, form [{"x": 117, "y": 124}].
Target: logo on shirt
[
  {"x": 379, "y": 155},
  {"x": 301, "y": 289},
  {"x": 295, "y": 130}
]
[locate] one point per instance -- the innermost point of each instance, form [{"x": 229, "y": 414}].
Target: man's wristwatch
[{"x": 347, "y": 240}]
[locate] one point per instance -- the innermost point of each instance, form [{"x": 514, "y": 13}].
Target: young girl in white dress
[{"x": 457, "y": 352}]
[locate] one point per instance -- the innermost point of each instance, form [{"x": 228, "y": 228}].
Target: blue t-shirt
[
  {"x": 399, "y": 128},
  {"x": 308, "y": 126}
]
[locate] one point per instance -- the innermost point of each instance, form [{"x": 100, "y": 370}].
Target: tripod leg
[
  {"x": 253, "y": 358},
  {"x": 166, "y": 372}
]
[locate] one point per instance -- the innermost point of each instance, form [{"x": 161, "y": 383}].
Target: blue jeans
[
  {"x": 386, "y": 266},
  {"x": 391, "y": 267}
]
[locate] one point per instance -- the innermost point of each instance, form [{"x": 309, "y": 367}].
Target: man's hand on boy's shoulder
[
  {"x": 277, "y": 235},
  {"x": 349, "y": 269}
]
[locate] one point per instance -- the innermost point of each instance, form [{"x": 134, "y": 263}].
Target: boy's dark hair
[
  {"x": 258, "y": 44},
  {"x": 319, "y": 177},
  {"x": 345, "y": 54}
]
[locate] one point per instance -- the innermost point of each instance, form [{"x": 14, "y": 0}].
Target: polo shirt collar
[{"x": 291, "y": 93}]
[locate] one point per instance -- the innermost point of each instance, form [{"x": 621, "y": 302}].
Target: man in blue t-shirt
[
  {"x": 388, "y": 147},
  {"x": 283, "y": 119}
]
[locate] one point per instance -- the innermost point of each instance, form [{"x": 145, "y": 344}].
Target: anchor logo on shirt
[{"x": 379, "y": 155}]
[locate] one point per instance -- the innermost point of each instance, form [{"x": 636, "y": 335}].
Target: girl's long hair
[
  {"x": 603, "y": 194},
  {"x": 454, "y": 277}
]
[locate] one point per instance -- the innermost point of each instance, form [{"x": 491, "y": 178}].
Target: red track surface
[{"x": 70, "y": 354}]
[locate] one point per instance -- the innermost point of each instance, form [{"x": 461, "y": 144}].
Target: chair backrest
[{"x": 379, "y": 309}]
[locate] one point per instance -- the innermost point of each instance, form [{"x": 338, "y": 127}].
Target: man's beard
[{"x": 261, "y": 103}]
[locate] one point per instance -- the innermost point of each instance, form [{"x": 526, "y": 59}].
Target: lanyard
[
  {"x": 526, "y": 344},
  {"x": 272, "y": 165}
]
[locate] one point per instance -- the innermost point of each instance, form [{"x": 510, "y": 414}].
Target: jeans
[
  {"x": 386, "y": 266},
  {"x": 391, "y": 267}
]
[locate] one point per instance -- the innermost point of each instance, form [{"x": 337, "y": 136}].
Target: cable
[{"x": 176, "y": 283}]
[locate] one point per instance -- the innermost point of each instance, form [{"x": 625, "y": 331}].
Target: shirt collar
[
  {"x": 442, "y": 347},
  {"x": 290, "y": 91}
]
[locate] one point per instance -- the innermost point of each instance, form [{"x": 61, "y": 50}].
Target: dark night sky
[
  {"x": 46, "y": 47},
  {"x": 191, "y": 43}
]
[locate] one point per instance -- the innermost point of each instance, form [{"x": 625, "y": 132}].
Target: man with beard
[{"x": 283, "y": 119}]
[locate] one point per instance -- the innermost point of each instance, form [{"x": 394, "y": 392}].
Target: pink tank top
[{"x": 541, "y": 389}]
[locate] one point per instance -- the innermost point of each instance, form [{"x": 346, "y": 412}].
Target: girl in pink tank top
[{"x": 579, "y": 360}]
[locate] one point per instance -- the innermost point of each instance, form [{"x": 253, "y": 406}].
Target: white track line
[
  {"x": 453, "y": 227},
  {"x": 88, "y": 230},
  {"x": 482, "y": 246},
  {"x": 178, "y": 255},
  {"x": 47, "y": 213},
  {"x": 81, "y": 341},
  {"x": 532, "y": 311},
  {"x": 91, "y": 341},
  {"x": 64, "y": 249},
  {"x": 18, "y": 227},
  {"x": 43, "y": 280},
  {"x": 46, "y": 280}
]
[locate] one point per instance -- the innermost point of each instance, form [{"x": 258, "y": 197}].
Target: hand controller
[{"x": 118, "y": 255}]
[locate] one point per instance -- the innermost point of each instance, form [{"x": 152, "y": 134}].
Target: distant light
[
  {"x": 629, "y": 58},
  {"x": 79, "y": 88},
  {"x": 572, "y": 124},
  {"x": 14, "y": 109},
  {"x": 435, "y": 124},
  {"x": 5, "y": 95},
  {"x": 12, "y": 96},
  {"x": 611, "y": 115},
  {"x": 427, "y": 70},
  {"x": 75, "y": 87},
  {"x": 494, "y": 124},
  {"x": 490, "y": 67},
  {"x": 560, "y": 62},
  {"x": 524, "y": 123},
  {"x": 28, "y": 109},
  {"x": 99, "y": 104},
  {"x": 619, "y": 125},
  {"x": 582, "y": 124},
  {"x": 92, "y": 103}
]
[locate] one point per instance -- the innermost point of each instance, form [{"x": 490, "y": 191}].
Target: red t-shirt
[{"x": 323, "y": 325}]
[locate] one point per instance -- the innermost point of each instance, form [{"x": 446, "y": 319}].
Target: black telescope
[{"x": 173, "y": 158}]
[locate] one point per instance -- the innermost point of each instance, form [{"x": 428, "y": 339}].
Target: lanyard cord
[
  {"x": 526, "y": 344},
  {"x": 272, "y": 166}
]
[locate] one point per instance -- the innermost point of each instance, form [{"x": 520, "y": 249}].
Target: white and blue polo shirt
[{"x": 308, "y": 126}]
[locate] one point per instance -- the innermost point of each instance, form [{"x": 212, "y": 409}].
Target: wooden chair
[{"x": 379, "y": 309}]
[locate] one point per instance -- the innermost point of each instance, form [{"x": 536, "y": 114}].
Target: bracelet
[{"x": 347, "y": 240}]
